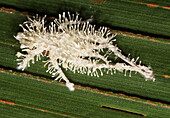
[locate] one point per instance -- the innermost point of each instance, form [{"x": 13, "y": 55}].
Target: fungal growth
[{"x": 75, "y": 45}]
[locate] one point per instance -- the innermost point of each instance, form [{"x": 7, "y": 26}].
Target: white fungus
[{"x": 75, "y": 45}]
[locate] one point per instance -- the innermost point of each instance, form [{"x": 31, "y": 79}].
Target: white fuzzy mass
[{"x": 75, "y": 45}]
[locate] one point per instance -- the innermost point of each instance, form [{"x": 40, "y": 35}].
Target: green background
[{"x": 135, "y": 22}]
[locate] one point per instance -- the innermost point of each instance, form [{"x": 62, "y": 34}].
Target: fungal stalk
[{"x": 74, "y": 45}]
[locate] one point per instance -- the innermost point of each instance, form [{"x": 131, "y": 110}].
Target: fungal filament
[{"x": 74, "y": 45}]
